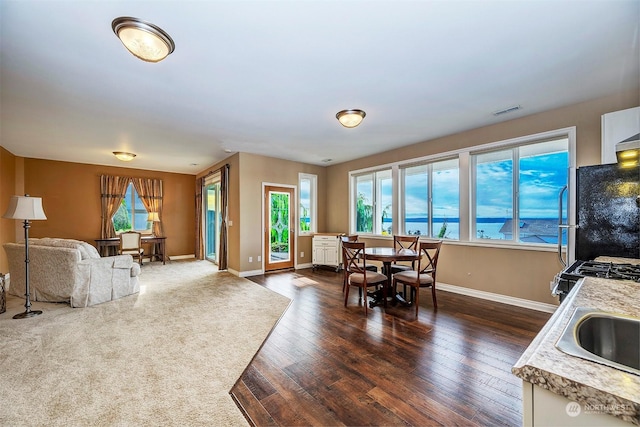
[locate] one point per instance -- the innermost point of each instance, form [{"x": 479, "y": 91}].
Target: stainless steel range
[
  {"x": 607, "y": 224},
  {"x": 614, "y": 270}
]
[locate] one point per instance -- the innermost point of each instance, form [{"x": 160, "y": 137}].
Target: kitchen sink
[{"x": 607, "y": 338}]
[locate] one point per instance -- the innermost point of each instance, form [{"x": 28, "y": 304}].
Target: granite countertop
[{"x": 613, "y": 391}]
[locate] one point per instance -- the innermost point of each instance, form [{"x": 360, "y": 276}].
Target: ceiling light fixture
[
  {"x": 144, "y": 40},
  {"x": 124, "y": 156},
  {"x": 350, "y": 118}
]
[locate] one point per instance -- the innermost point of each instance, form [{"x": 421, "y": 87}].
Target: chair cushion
[
  {"x": 409, "y": 277},
  {"x": 369, "y": 267},
  {"x": 133, "y": 252},
  {"x": 396, "y": 268},
  {"x": 372, "y": 278}
]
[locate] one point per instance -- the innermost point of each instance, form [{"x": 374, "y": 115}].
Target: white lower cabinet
[
  {"x": 326, "y": 250},
  {"x": 545, "y": 408}
]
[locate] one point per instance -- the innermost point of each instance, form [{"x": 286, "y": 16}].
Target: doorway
[
  {"x": 212, "y": 217},
  {"x": 279, "y": 220}
]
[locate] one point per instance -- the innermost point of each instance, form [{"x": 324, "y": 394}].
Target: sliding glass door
[{"x": 212, "y": 219}]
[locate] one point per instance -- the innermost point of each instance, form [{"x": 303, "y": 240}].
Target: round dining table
[{"x": 387, "y": 255}]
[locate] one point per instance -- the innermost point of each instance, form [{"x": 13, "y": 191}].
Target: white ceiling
[{"x": 268, "y": 77}]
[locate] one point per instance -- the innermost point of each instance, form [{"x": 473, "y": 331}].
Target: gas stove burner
[
  {"x": 567, "y": 279},
  {"x": 608, "y": 270}
]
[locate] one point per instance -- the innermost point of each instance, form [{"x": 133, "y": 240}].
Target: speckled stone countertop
[{"x": 586, "y": 382}]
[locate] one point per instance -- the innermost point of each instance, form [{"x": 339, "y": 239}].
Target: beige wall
[
  {"x": 254, "y": 171},
  {"x": 247, "y": 174},
  {"x": 233, "y": 246},
  {"x": 7, "y": 189},
  {"x": 71, "y": 200},
  {"x": 517, "y": 273}
]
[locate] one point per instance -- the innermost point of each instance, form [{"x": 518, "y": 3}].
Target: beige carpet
[{"x": 168, "y": 356}]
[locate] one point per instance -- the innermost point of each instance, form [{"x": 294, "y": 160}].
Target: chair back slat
[
  {"x": 429, "y": 252},
  {"x": 353, "y": 257},
  {"x": 405, "y": 242}
]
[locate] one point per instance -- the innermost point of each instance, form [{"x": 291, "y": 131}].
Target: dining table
[{"x": 388, "y": 255}]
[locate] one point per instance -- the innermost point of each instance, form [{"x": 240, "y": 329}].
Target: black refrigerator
[{"x": 607, "y": 212}]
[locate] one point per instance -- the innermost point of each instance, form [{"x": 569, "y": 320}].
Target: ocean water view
[
  {"x": 488, "y": 228},
  {"x": 534, "y": 230}
]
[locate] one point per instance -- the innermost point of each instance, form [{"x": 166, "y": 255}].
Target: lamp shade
[
  {"x": 143, "y": 39},
  {"x": 350, "y": 118},
  {"x": 153, "y": 216},
  {"x": 25, "y": 207}
]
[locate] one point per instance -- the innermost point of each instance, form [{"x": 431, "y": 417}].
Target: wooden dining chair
[
  {"x": 400, "y": 243},
  {"x": 131, "y": 244},
  {"x": 351, "y": 238},
  {"x": 424, "y": 275},
  {"x": 358, "y": 275}
]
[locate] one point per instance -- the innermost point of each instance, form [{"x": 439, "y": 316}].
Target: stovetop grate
[{"x": 607, "y": 270}]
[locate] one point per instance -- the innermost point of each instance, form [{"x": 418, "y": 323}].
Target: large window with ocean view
[
  {"x": 516, "y": 192},
  {"x": 431, "y": 199},
  {"x": 501, "y": 193}
]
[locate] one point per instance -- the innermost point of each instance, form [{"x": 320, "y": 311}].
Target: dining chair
[
  {"x": 351, "y": 238},
  {"x": 358, "y": 275},
  {"x": 400, "y": 243},
  {"x": 131, "y": 244},
  {"x": 424, "y": 275}
]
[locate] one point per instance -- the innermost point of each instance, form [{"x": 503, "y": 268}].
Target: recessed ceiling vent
[{"x": 507, "y": 110}]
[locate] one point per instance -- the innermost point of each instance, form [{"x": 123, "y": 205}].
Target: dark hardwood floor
[{"x": 328, "y": 365}]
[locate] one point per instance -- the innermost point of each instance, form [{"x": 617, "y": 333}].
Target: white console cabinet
[{"x": 327, "y": 250}]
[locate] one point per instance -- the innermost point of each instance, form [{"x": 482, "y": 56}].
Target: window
[
  {"x": 502, "y": 193},
  {"x": 431, "y": 199},
  {"x": 516, "y": 192},
  {"x": 212, "y": 216},
  {"x": 373, "y": 201},
  {"x": 308, "y": 201},
  {"x": 131, "y": 215}
]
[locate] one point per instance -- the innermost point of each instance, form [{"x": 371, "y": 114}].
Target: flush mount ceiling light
[
  {"x": 124, "y": 156},
  {"x": 350, "y": 118},
  {"x": 144, "y": 40}
]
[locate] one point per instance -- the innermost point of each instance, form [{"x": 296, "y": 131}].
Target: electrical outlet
[
  {"x": 250, "y": 259},
  {"x": 259, "y": 258},
  {"x": 301, "y": 254}
]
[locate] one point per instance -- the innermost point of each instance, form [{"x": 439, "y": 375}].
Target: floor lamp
[{"x": 25, "y": 208}]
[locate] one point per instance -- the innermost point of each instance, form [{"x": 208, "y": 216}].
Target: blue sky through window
[{"x": 542, "y": 171}]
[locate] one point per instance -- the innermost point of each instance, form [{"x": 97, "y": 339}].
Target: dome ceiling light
[
  {"x": 350, "y": 118},
  {"x": 124, "y": 156},
  {"x": 143, "y": 39}
]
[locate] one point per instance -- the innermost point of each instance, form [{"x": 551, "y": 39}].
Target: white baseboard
[
  {"x": 249, "y": 273},
  {"x": 505, "y": 299},
  {"x": 175, "y": 257},
  {"x": 303, "y": 266}
]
